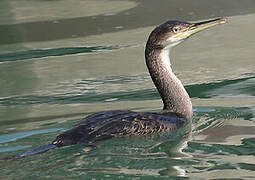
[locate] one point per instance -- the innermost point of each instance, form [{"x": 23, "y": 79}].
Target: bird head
[{"x": 171, "y": 33}]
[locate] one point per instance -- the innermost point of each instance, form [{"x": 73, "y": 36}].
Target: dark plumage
[{"x": 118, "y": 123}]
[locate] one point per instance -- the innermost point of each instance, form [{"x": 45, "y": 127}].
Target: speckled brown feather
[{"x": 118, "y": 123}]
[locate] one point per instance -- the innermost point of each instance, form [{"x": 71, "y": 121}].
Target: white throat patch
[{"x": 164, "y": 55}]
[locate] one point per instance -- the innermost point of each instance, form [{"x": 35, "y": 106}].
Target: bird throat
[{"x": 170, "y": 88}]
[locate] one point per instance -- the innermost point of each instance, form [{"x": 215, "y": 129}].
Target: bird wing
[{"x": 119, "y": 123}]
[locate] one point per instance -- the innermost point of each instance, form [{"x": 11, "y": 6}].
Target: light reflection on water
[{"x": 49, "y": 85}]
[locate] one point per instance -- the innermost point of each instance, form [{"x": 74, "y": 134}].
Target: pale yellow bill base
[{"x": 196, "y": 27}]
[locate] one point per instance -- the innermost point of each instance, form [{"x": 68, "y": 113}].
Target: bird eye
[{"x": 176, "y": 29}]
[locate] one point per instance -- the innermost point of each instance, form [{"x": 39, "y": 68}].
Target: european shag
[{"x": 122, "y": 123}]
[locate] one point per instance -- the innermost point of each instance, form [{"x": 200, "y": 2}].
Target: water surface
[{"x": 67, "y": 60}]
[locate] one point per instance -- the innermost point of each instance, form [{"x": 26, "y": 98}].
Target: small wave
[
  {"x": 69, "y": 98},
  {"x": 93, "y": 91},
  {"x": 226, "y": 88},
  {"x": 40, "y": 53},
  {"x": 16, "y": 148},
  {"x": 215, "y": 117},
  {"x": 16, "y": 136}
]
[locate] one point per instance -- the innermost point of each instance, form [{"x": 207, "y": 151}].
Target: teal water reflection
[
  {"x": 56, "y": 69},
  {"x": 40, "y": 53}
]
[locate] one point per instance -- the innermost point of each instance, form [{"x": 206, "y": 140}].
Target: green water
[{"x": 66, "y": 59}]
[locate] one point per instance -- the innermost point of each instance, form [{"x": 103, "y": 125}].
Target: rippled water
[{"x": 66, "y": 60}]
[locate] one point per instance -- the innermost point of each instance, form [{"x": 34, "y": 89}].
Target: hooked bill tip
[{"x": 223, "y": 20}]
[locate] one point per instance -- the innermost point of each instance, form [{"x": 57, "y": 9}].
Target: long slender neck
[{"x": 170, "y": 88}]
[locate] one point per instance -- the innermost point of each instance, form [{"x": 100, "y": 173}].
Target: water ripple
[
  {"x": 40, "y": 53},
  {"x": 15, "y": 136},
  {"x": 246, "y": 148},
  {"x": 111, "y": 90}
]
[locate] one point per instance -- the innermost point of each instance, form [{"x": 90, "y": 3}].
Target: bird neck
[{"x": 170, "y": 88}]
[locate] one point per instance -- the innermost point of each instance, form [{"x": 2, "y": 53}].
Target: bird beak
[
  {"x": 197, "y": 27},
  {"x": 192, "y": 28}
]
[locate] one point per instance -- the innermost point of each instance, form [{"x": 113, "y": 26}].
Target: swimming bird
[{"x": 177, "y": 108}]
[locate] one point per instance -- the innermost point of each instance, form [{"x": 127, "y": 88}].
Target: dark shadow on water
[
  {"x": 40, "y": 53},
  {"x": 204, "y": 90}
]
